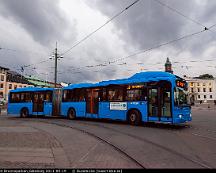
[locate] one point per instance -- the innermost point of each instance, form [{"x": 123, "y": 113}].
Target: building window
[
  {"x": 198, "y": 84},
  {"x": 15, "y": 86},
  {"x": 198, "y": 96},
  {"x": 210, "y": 90},
  {"x": 191, "y": 84},
  {"x": 210, "y": 84},
  {"x": 198, "y": 89},
  {"x": 192, "y": 90},
  {"x": 1, "y": 85},
  {"x": 20, "y": 86},
  {"x": 2, "y": 77},
  {"x": 210, "y": 96},
  {"x": 203, "y": 84},
  {"x": 204, "y": 90},
  {"x": 10, "y": 86},
  {"x": 204, "y": 96}
]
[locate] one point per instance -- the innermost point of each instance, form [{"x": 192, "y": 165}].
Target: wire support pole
[{"x": 56, "y": 66}]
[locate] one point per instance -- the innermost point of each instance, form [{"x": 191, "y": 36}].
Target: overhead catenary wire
[
  {"x": 89, "y": 35},
  {"x": 180, "y": 13},
  {"x": 183, "y": 15},
  {"x": 140, "y": 51},
  {"x": 151, "y": 64}
]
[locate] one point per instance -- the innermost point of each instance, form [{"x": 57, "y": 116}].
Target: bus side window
[
  {"x": 65, "y": 95},
  {"x": 115, "y": 94},
  {"x": 48, "y": 96},
  {"x": 103, "y": 94}
]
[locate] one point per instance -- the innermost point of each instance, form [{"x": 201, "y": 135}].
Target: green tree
[{"x": 205, "y": 76}]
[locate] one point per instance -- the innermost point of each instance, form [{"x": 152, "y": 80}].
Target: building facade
[
  {"x": 10, "y": 80},
  {"x": 201, "y": 90},
  {"x": 3, "y": 82}
]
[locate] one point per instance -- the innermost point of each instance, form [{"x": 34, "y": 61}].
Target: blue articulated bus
[
  {"x": 144, "y": 97},
  {"x": 34, "y": 101}
]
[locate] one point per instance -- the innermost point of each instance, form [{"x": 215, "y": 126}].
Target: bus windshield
[{"x": 180, "y": 97}]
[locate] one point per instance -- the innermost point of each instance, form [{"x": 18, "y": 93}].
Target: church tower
[{"x": 168, "y": 66}]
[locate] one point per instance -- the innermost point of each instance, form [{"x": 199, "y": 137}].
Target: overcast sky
[{"x": 30, "y": 28}]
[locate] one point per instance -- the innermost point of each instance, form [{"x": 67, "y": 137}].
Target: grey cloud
[
  {"x": 146, "y": 23},
  {"x": 43, "y": 20}
]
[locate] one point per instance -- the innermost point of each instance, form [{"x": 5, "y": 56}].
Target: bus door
[
  {"x": 92, "y": 101},
  {"x": 38, "y": 103},
  {"x": 165, "y": 99},
  {"x": 154, "y": 107},
  {"x": 56, "y": 102}
]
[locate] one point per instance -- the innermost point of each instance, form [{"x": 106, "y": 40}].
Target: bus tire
[
  {"x": 24, "y": 113},
  {"x": 134, "y": 117},
  {"x": 71, "y": 114}
]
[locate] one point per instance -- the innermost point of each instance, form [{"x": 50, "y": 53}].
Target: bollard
[{"x": 208, "y": 106}]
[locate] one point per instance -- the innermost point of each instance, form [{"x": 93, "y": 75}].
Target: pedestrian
[{"x": 200, "y": 101}]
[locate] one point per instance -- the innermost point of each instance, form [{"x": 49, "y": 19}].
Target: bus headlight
[
  {"x": 190, "y": 115},
  {"x": 180, "y": 116}
]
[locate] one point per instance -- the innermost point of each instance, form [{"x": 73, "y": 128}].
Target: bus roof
[
  {"x": 31, "y": 89},
  {"x": 153, "y": 76}
]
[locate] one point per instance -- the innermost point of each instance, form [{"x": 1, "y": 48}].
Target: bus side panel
[
  {"x": 15, "y": 108},
  {"x": 80, "y": 108},
  {"x": 142, "y": 107},
  {"x": 185, "y": 115},
  {"x": 105, "y": 112},
  {"x": 48, "y": 108}
]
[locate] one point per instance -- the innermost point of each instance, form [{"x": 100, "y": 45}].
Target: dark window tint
[
  {"x": 25, "y": 97},
  {"x": 115, "y": 94},
  {"x": 136, "y": 95},
  {"x": 15, "y": 97},
  {"x": 48, "y": 96},
  {"x": 76, "y": 95}
]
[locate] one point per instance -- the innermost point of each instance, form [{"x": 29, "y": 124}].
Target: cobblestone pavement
[
  {"x": 26, "y": 144},
  {"x": 61, "y": 143}
]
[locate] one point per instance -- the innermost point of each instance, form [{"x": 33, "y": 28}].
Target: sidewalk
[
  {"x": 204, "y": 106},
  {"x": 3, "y": 112}
]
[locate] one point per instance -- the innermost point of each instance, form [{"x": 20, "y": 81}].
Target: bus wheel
[
  {"x": 134, "y": 117},
  {"x": 24, "y": 113},
  {"x": 71, "y": 114}
]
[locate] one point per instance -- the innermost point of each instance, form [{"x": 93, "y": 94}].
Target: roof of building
[
  {"x": 4, "y": 68},
  {"x": 29, "y": 89},
  {"x": 153, "y": 76},
  {"x": 13, "y": 76},
  {"x": 39, "y": 82}
]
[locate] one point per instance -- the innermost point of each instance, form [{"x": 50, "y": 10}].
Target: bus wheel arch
[
  {"x": 71, "y": 113},
  {"x": 134, "y": 117},
  {"x": 24, "y": 112}
]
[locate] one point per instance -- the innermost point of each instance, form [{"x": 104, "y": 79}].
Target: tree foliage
[{"x": 205, "y": 76}]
